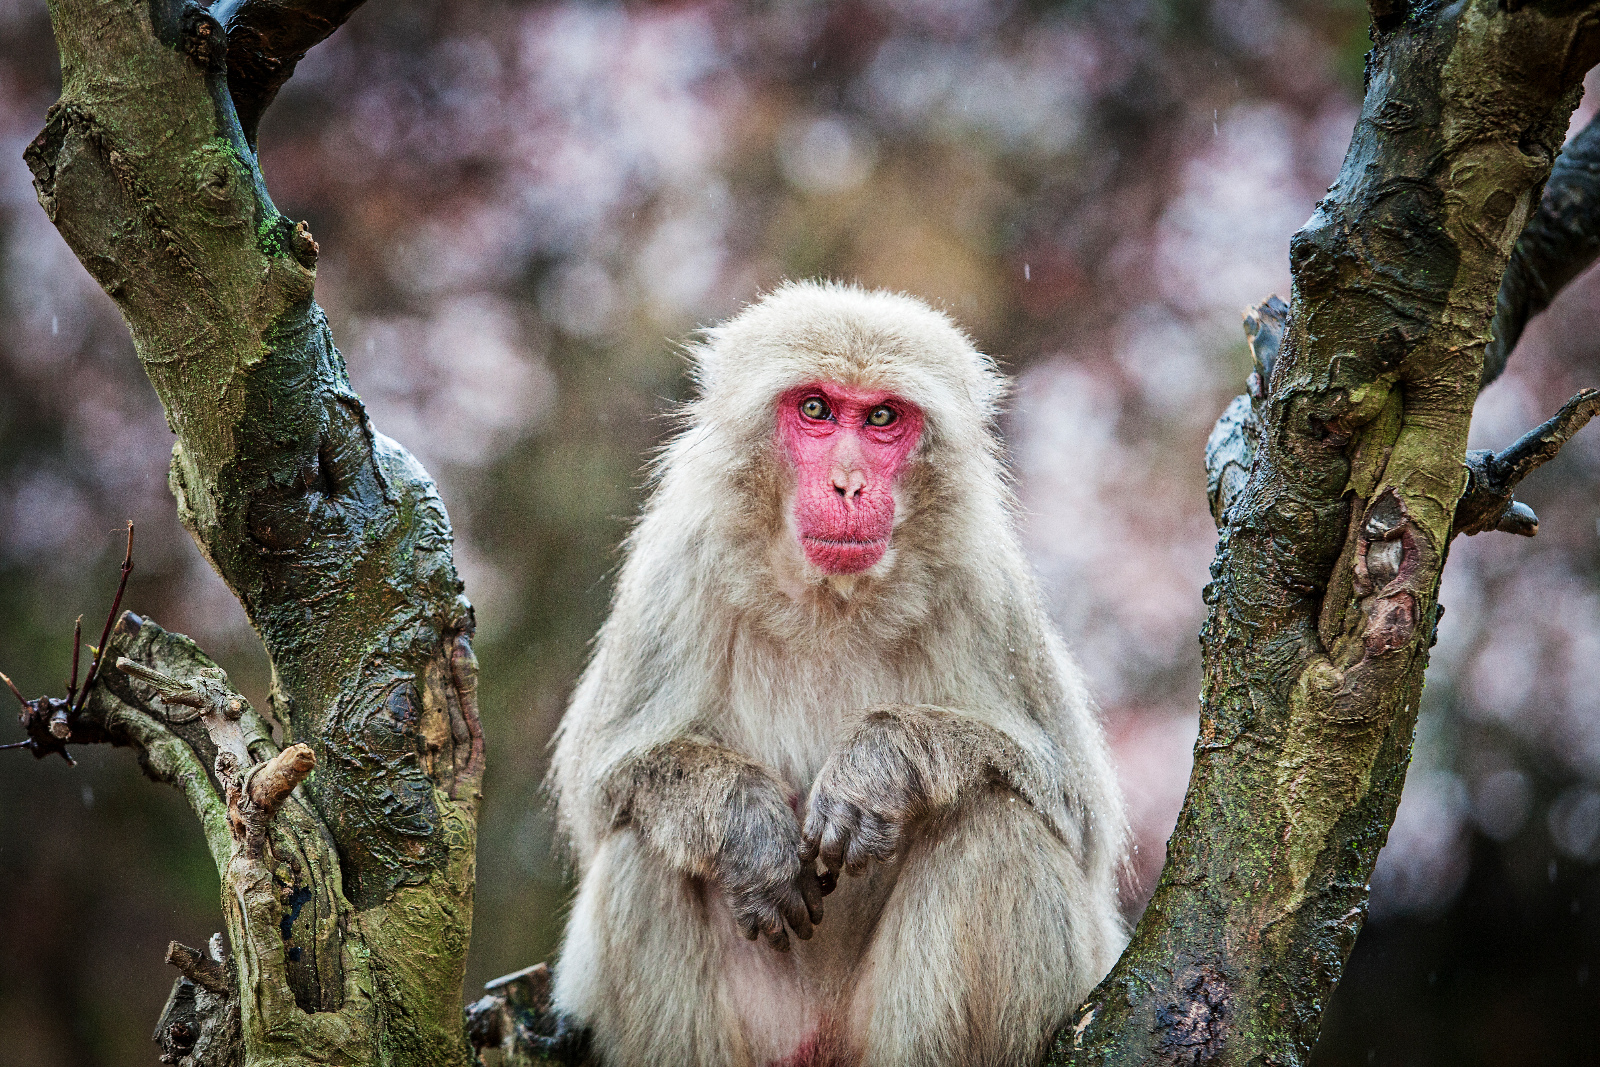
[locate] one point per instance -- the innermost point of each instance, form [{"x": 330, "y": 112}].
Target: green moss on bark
[
  {"x": 332, "y": 536},
  {"x": 1324, "y": 592}
]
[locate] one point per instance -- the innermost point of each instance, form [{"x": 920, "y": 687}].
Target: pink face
[{"x": 848, "y": 446}]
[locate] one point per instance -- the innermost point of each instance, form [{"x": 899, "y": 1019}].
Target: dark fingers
[
  {"x": 812, "y": 892},
  {"x": 777, "y": 935},
  {"x": 797, "y": 914}
]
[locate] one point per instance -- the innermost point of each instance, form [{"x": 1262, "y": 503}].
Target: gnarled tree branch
[
  {"x": 292, "y": 983},
  {"x": 349, "y": 912},
  {"x": 1336, "y": 486}
]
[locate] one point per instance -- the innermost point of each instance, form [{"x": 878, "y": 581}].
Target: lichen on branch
[
  {"x": 332, "y": 536},
  {"x": 1335, "y": 483}
]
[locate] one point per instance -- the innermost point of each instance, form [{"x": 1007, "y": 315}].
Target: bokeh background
[{"x": 525, "y": 207}]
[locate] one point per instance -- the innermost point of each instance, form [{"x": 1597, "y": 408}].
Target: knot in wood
[
  {"x": 304, "y": 246},
  {"x": 202, "y": 38}
]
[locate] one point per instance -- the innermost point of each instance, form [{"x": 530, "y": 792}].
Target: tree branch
[
  {"x": 515, "y": 1017},
  {"x": 1324, "y": 592},
  {"x": 266, "y": 40},
  {"x": 199, "y": 968},
  {"x": 1492, "y": 477},
  {"x": 1560, "y": 242},
  {"x": 332, "y": 536},
  {"x": 280, "y": 874}
]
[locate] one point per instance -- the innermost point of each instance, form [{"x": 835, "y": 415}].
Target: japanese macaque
[{"x": 827, "y": 655}]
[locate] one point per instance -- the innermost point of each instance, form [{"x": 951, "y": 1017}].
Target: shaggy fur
[{"x": 921, "y": 720}]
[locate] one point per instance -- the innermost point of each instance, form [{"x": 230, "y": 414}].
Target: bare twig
[
  {"x": 198, "y": 967},
  {"x": 111, "y": 617},
  {"x": 77, "y": 646},
  {"x": 269, "y": 784},
  {"x": 207, "y": 691},
  {"x": 15, "y": 692},
  {"x": 52, "y": 723},
  {"x": 1493, "y": 477}
]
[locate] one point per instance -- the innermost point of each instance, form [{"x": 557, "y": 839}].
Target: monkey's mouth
[
  {"x": 882, "y": 542},
  {"x": 843, "y": 556}
]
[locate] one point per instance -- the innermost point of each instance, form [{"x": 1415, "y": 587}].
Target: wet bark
[
  {"x": 347, "y": 894},
  {"x": 1559, "y": 243},
  {"x": 1336, "y": 485}
]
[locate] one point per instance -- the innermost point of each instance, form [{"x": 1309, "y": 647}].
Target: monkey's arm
[
  {"x": 907, "y": 764},
  {"x": 712, "y": 813}
]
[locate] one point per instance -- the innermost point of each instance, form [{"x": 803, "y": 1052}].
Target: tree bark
[
  {"x": 1339, "y": 505},
  {"x": 331, "y": 535},
  {"x": 1559, "y": 243}
]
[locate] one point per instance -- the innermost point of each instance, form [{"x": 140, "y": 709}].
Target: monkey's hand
[
  {"x": 759, "y": 868},
  {"x": 869, "y": 791}
]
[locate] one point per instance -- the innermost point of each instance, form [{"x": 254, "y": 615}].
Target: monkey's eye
[
  {"x": 814, "y": 407},
  {"x": 882, "y": 415}
]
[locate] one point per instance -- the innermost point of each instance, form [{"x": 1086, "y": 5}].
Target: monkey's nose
[{"x": 848, "y": 484}]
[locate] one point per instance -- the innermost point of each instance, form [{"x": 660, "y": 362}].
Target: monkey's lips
[{"x": 843, "y": 556}]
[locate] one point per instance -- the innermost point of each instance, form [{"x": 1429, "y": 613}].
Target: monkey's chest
[{"x": 787, "y": 710}]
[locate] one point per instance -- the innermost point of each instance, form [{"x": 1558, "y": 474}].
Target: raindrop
[
  {"x": 55, "y": 325},
  {"x": 1027, "y": 272},
  {"x": 1215, "y": 132},
  {"x": 1551, "y": 871},
  {"x": 88, "y": 795}
]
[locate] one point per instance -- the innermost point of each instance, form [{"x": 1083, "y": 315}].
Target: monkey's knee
[
  {"x": 633, "y": 922},
  {"x": 992, "y": 936}
]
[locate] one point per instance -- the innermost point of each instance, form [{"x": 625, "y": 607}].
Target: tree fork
[
  {"x": 1336, "y": 486},
  {"x": 331, "y": 535}
]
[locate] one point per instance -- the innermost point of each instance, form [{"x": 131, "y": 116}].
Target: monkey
[{"x": 826, "y": 655}]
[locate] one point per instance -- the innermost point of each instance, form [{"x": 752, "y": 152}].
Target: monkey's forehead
[{"x": 805, "y": 332}]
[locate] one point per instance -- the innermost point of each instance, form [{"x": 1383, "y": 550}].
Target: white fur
[{"x": 978, "y": 942}]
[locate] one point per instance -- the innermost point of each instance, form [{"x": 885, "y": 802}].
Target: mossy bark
[
  {"x": 332, "y": 536},
  {"x": 1323, "y": 599}
]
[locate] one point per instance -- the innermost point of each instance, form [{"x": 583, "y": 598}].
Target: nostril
[{"x": 842, "y": 491}]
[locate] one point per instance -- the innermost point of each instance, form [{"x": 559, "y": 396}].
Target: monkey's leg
[
  {"x": 991, "y": 937},
  {"x": 653, "y": 963}
]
